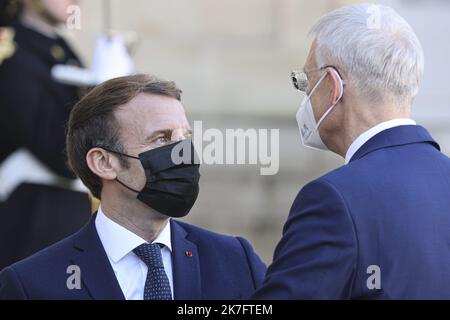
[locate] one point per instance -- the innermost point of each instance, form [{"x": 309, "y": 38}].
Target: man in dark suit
[
  {"x": 123, "y": 141},
  {"x": 377, "y": 227}
]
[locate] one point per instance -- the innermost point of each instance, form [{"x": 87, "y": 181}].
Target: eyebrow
[{"x": 166, "y": 132}]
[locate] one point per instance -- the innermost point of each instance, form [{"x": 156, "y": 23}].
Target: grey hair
[{"x": 375, "y": 46}]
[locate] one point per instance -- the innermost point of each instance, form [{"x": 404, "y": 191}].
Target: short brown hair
[{"x": 92, "y": 122}]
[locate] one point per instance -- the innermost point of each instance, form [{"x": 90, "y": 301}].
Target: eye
[{"x": 162, "y": 140}]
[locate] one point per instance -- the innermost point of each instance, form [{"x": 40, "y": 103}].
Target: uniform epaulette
[{"x": 7, "y": 44}]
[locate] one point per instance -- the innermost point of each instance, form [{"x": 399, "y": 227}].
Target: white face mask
[{"x": 309, "y": 128}]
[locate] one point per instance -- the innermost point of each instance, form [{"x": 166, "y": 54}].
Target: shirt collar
[
  {"x": 119, "y": 241},
  {"x": 367, "y": 135}
]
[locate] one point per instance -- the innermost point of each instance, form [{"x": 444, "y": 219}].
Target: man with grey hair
[{"x": 377, "y": 227}]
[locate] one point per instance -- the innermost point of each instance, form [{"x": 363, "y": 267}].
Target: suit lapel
[
  {"x": 395, "y": 136},
  {"x": 186, "y": 265},
  {"x": 97, "y": 274}
]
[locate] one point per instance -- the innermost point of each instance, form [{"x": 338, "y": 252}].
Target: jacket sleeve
[
  {"x": 10, "y": 286},
  {"x": 257, "y": 267},
  {"x": 316, "y": 256}
]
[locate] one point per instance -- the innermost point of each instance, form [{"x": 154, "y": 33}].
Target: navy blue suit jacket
[
  {"x": 388, "y": 208},
  {"x": 220, "y": 267}
]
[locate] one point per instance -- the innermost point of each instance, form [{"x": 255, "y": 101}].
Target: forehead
[{"x": 148, "y": 112}]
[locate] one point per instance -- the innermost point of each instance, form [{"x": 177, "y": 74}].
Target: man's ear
[
  {"x": 102, "y": 163},
  {"x": 338, "y": 88}
]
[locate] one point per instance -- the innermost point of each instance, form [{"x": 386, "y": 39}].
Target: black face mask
[{"x": 171, "y": 188}]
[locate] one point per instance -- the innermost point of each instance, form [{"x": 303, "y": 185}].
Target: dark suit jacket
[
  {"x": 388, "y": 208},
  {"x": 206, "y": 265}
]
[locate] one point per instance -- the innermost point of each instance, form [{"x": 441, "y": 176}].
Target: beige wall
[{"x": 229, "y": 56}]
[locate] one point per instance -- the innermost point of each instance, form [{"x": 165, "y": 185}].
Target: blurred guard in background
[{"x": 40, "y": 199}]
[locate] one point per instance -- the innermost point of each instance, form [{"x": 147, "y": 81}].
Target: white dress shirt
[
  {"x": 366, "y": 136},
  {"x": 130, "y": 270}
]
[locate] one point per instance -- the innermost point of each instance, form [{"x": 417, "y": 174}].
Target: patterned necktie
[{"x": 157, "y": 286}]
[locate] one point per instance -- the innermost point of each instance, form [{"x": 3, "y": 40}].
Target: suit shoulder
[
  {"x": 199, "y": 232},
  {"x": 210, "y": 238},
  {"x": 328, "y": 180},
  {"x": 233, "y": 251},
  {"x": 357, "y": 170}
]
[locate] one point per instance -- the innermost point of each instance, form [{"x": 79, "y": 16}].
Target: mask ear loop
[
  {"x": 317, "y": 85},
  {"x": 127, "y": 187},
  {"x": 341, "y": 88},
  {"x": 125, "y": 155},
  {"x": 119, "y": 153}
]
